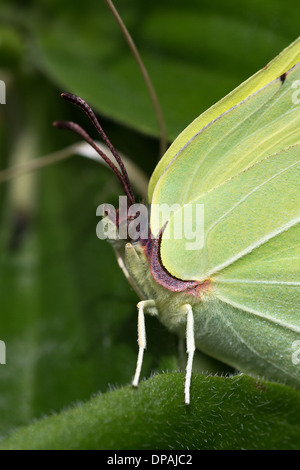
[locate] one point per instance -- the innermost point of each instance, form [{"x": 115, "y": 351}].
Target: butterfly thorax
[{"x": 136, "y": 261}]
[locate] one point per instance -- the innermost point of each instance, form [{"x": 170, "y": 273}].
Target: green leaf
[
  {"x": 195, "y": 54},
  {"x": 232, "y": 413}
]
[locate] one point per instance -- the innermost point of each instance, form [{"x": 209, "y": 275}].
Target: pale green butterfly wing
[
  {"x": 250, "y": 248},
  {"x": 258, "y": 346},
  {"x": 255, "y": 309},
  {"x": 283, "y": 62},
  {"x": 241, "y": 215},
  {"x": 259, "y": 126},
  {"x": 251, "y": 256}
]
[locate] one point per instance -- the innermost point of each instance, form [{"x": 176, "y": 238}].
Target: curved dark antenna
[
  {"x": 72, "y": 126},
  {"x": 91, "y": 115}
]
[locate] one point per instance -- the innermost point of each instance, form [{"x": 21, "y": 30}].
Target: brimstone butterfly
[{"x": 235, "y": 294}]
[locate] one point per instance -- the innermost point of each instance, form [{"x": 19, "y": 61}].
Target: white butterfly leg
[
  {"x": 190, "y": 349},
  {"x": 142, "y": 342}
]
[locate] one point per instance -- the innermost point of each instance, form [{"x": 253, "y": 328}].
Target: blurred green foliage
[{"x": 68, "y": 316}]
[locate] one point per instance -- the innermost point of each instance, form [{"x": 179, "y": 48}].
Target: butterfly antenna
[
  {"x": 90, "y": 113},
  {"x": 72, "y": 126}
]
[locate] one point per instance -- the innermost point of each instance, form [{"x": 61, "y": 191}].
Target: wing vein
[
  {"x": 252, "y": 247},
  {"x": 244, "y": 198},
  {"x": 242, "y": 340}
]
